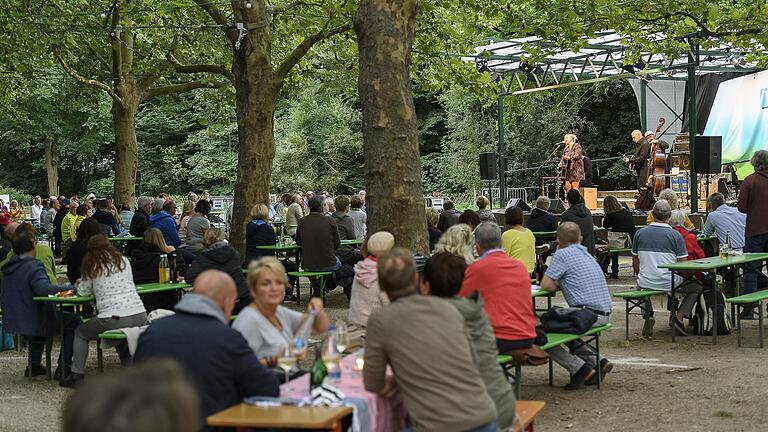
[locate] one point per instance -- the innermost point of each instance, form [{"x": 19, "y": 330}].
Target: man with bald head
[
  {"x": 638, "y": 163},
  {"x": 216, "y": 358},
  {"x": 577, "y": 274}
]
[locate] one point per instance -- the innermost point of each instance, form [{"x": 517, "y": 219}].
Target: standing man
[
  {"x": 36, "y": 210},
  {"x": 67, "y": 226},
  {"x": 575, "y": 272},
  {"x": 409, "y": 335},
  {"x": 638, "y": 163},
  {"x": 753, "y": 202}
]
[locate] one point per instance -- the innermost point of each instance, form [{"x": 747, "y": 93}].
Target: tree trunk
[
  {"x": 394, "y": 196},
  {"x": 126, "y": 146},
  {"x": 52, "y": 166},
  {"x": 256, "y": 91}
]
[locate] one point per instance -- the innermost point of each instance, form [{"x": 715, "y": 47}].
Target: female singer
[{"x": 572, "y": 164}]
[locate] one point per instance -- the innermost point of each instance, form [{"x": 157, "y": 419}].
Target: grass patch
[{"x": 724, "y": 414}]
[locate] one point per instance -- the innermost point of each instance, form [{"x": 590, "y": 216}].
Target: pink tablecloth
[{"x": 386, "y": 414}]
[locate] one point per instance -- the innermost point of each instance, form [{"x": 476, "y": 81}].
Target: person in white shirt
[
  {"x": 107, "y": 276},
  {"x": 37, "y": 209}
]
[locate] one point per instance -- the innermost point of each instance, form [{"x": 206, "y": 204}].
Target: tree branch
[
  {"x": 200, "y": 68},
  {"x": 275, "y": 9},
  {"x": 179, "y": 88},
  {"x": 218, "y": 17},
  {"x": 303, "y": 48},
  {"x": 93, "y": 83}
]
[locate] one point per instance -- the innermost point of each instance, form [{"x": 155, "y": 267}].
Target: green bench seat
[
  {"x": 110, "y": 335},
  {"x": 635, "y": 299},
  {"x": 507, "y": 362},
  {"x": 747, "y": 300},
  {"x": 322, "y": 275}
]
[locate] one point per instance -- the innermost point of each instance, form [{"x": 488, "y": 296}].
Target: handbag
[{"x": 618, "y": 240}]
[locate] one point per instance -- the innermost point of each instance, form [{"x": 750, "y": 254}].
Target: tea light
[{"x": 359, "y": 363}]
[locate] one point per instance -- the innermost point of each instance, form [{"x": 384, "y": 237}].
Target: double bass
[{"x": 656, "y": 169}]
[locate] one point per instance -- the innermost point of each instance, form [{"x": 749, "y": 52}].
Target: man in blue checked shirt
[{"x": 578, "y": 275}]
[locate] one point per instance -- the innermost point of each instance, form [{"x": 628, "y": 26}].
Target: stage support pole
[
  {"x": 643, "y": 106},
  {"x": 693, "y": 182},
  {"x": 500, "y": 155}
]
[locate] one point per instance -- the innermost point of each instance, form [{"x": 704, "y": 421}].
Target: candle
[{"x": 359, "y": 363}]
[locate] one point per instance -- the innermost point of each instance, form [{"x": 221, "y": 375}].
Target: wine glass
[
  {"x": 286, "y": 361},
  {"x": 342, "y": 338}
]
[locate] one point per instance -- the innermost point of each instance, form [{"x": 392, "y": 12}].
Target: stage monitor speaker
[
  {"x": 556, "y": 205},
  {"x": 517, "y": 202},
  {"x": 708, "y": 156},
  {"x": 488, "y": 166}
]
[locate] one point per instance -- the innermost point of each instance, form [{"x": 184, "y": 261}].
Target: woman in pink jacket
[{"x": 366, "y": 295}]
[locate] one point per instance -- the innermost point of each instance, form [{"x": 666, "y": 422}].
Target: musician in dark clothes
[{"x": 639, "y": 162}]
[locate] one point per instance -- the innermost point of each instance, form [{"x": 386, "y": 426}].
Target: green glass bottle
[{"x": 318, "y": 372}]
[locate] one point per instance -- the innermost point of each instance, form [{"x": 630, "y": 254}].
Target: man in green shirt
[{"x": 67, "y": 225}]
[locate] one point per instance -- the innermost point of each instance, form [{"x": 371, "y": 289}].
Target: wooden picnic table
[
  {"x": 710, "y": 264},
  {"x": 245, "y": 416}
]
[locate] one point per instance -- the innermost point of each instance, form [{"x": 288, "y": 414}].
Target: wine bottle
[{"x": 318, "y": 372}]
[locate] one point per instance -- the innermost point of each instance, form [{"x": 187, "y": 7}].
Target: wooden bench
[
  {"x": 527, "y": 411},
  {"x": 635, "y": 299},
  {"x": 749, "y": 299},
  {"x": 553, "y": 339},
  {"x": 310, "y": 275}
]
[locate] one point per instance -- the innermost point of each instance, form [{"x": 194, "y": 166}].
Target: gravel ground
[{"x": 655, "y": 384}]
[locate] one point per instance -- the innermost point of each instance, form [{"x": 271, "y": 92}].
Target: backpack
[{"x": 703, "y": 314}]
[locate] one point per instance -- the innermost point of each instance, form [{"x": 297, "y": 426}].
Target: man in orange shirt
[{"x": 505, "y": 285}]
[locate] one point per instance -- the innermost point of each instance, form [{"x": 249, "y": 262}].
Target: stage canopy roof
[{"x": 601, "y": 58}]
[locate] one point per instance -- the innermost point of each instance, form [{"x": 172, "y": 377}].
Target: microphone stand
[{"x": 551, "y": 158}]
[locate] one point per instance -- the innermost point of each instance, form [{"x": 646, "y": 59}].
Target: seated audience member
[
  {"x": 118, "y": 402},
  {"x": 483, "y": 211},
  {"x": 448, "y": 217},
  {"x": 576, "y": 273},
  {"x": 517, "y": 241},
  {"x": 294, "y": 214},
  {"x": 505, "y": 285},
  {"x": 677, "y": 222},
  {"x": 358, "y": 216},
  {"x": 67, "y": 225},
  {"x": 145, "y": 258},
  {"x": 24, "y": 278},
  {"x": 670, "y": 197},
  {"x": 408, "y": 335},
  {"x": 16, "y": 212},
  {"x": 6, "y": 230},
  {"x": 126, "y": 217},
  {"x": 579, "y": 214},
  {"x": 434, "y": 234},
  {"x": 319, "y": 238},
  {"x": 106, "y": 219},
  {"x": 82, "y": 214},
  {"x": 48, "y": 217},
  {"x": 164, "y": 221},
  {"x": 140, "y": 219},
  {"x": 157, "y": 205},
  {"x": 470, "y": 218},
  {"x": 458, "y": 240},
  {"x": 258, "y": 233},
  {"x": 366, "y": 294},
  {"x": 618, "y": 220},
  {"x": 265, "y": 324},
  {"x": 43, "y": 253},
  {"x": 219, "y": 255},
  {"x": 344, "y": 222},
  {"x": 197, "y": 226},
  {"x": 329, "y": 207},
  {"x": 659, "y": 244},
  {"x": 541, "y": 220},
  {"x": 724, "y": 221},
  {"x": 89, "y": 228},
  {"x": 186, "y": 214},
  {"x": 107, "y": 276},
  {"x": 442, "y": 277},
  {"x": 281, "y": 204},
  {"x": 214, "y": 356}
]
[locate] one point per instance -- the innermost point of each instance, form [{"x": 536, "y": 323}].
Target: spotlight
[{"x": 526, "y": 68}]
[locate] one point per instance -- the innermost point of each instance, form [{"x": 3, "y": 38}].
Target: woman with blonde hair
[
  {"x": 458, "y": 240},
  {"x": 217, "y": 254},
  {"x": 186, "y": 214},
  {"x": 671, "y": 197},
  {"x": 572, "y": 163},
  {"x": 16, "y": 212},
  {"x": 266, "y": 324}
]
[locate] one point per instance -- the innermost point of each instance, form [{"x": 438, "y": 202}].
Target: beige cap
[
  {"x": 649, "y": 133},
  {"x": 380, "y": 243}
]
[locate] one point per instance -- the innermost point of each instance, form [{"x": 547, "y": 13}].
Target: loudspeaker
[
  {"x": 708, "y": 157},
  {"x": 517, "y": 202},
  {"x": 488, "y": 166},
  {"x": 556, "y": 206}
]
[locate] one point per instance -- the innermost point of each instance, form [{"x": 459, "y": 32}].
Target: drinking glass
[
  {"x": 286, "y": 361},
  {"x": 342, "y": 337}
]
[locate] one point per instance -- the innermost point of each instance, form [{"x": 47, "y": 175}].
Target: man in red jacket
[
  {"x": 505, "y": 285},
  {"x": 752, "y": 201}
]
